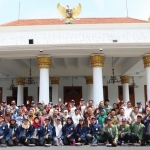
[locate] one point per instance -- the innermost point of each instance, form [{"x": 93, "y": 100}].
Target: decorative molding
[
  {"x": 146, "y": 61},
  {"x": 55, "y": 80},
  {"x": 44, "y": 62},
  {"x": 97, "y": 61},
  {"x": 73, "y": 36},
  {"x": 89, "y": 80},
  {"x": 125, "y": 79},
  {"x": 20, "y": 81}
]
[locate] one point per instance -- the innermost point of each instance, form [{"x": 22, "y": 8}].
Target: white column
[
  {"x": 89, "y": 83},
  {"x": 54, "y": 83},
  {"x": 20, "y": 94},
  {"x": 44, "y": 65},
  {"x": 97, "y": 64},
  {"x": 148, "y": 82},
  {"x": 146, "y": 61},
  {"x": 125, "y": 82}
]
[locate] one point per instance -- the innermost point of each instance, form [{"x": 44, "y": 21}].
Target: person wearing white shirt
[
  {"x": 123, "y": 115},
  {"x": 81, "y": 107},
  {"x": 72, "y": 109},
  {"x": 128, "y": 109},
  {"x": 76, "y": 117},
  {"x": 58, "y": 128}
]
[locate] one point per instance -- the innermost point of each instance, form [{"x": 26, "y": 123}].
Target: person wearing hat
[
  {"x": 94, "y": 134},
  {"x": 137, "y": 129},
  {"x": 72, "y": 107},
  {"x": 24, "y": 133},
  {"x": 107, "y": 106},
  {"x": 141, "y": 109},
  {"x": 110, "y": 133},
  {"x": 81, "y": 132},
  {"x": 146, "y": 136},
  {"x": 124, "y": 132},
  {"x": 36, "y": 133},
  {"x": 3, "y": 131},
  {"x": 12, "y": 139},
  {"x": 49, "y": 131},
  {"x": 81, "y": 106},
  {"x": 76, "y": 117},
  {"x": 19, "y": 117},
  {"x": 68, "y": 132},
  {"x": 58, "y": 127}
]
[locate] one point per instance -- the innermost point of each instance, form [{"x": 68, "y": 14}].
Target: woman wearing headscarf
[
  {"x": 36, "y": 132},
  {"x": 101, "y": 117},
  {"x": 68, "y": 132},
  {"x": 12, "y": 139},
  {"x": 23, "y": 132}
]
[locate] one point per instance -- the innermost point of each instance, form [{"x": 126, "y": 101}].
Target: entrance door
[
  {"x": 131, "y": 94},
  {"x": 72, "y": 92},
  {"x": 1, "y": 91}
]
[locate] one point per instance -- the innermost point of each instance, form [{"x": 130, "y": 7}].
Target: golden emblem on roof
[{"x": 69, "y": 14}]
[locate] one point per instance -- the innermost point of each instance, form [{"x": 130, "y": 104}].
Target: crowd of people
[{"x": 70, "y": 123}]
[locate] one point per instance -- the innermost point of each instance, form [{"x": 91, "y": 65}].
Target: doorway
[
  {"x": 131, "y": 94},
  {"x": 72, "y": 92},
  {"x": 1, "y": 92}
]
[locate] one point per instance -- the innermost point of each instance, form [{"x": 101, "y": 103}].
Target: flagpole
[
  {"x": 127, "y": 7},
  {"x": 19, "y": 11}
]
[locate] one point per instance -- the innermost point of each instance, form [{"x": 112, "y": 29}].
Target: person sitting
[
  {"x": 68, "y": 132},
  {"x": 124, "y": 132},
  {"x": 36, "y": 133},
  {"x": 13, "y": 131},
  {"x": 81, "y": 131},
  {"x": 94, "y": 134},
  {"x": 110, "y": 133},
  {"x": 3, "y": 131},
  {"x": 147, "y": 129},
  {"x": 48, "y": 131},
  {"x": 58, "y": 127},
  {"x": 137, "y": 129},
  {"x": 23, "y": 132}
]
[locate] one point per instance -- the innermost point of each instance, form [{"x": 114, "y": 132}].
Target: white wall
[{"x": 79, "y": 81}]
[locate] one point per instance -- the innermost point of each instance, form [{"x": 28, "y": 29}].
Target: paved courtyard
[{"x": 79, "y": 148}]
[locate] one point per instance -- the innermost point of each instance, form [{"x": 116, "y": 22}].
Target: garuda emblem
[{"x": 68, "y": 14}]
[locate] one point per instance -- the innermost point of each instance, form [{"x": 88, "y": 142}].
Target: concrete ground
[{"x": 87, "y": 147}]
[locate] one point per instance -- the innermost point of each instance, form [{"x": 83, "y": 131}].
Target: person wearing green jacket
[
  {"x": 101, "y": 117},
  {"x": 110, "y": 133},
  {"x": 124, "y": 132},
  {"x": 137, "y": 129}
]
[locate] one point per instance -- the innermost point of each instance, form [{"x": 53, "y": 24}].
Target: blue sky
[{"x": 33, "y": 9}]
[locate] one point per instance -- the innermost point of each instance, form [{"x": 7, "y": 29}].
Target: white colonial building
[{"x": 75, "y": 61}]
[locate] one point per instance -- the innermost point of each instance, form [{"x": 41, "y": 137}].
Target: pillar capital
[
  {"x": 146, "y": 61},
  {"x": 97, "y": 61},
  {"x": 55, "y": 80},
  {"x": 44, "y": 62},
  {"x": 125, "y": 79},
  {"x": 89, "y": 80},
  {"x": 20, "y": 81}
]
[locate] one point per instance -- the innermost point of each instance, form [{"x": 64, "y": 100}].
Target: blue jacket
[
  {"x": 10, "y": 132},
  {"x": 40, "y": 132},
  {"x": 146, "y": 123},
  {"x": 68, "y": 129},
  {"x": 81, "y": 131},
  {"x": 49, "y": 129},
  {"x": 94, "y": 129},
  {"x": 20, "y": 132},
  {"x": 4, "y": 130}
]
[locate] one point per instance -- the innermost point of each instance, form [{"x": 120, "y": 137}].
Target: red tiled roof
[{"x": 30, "y": 22}]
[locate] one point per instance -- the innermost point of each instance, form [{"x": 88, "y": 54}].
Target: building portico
[{"x": 73, "y": 54}]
